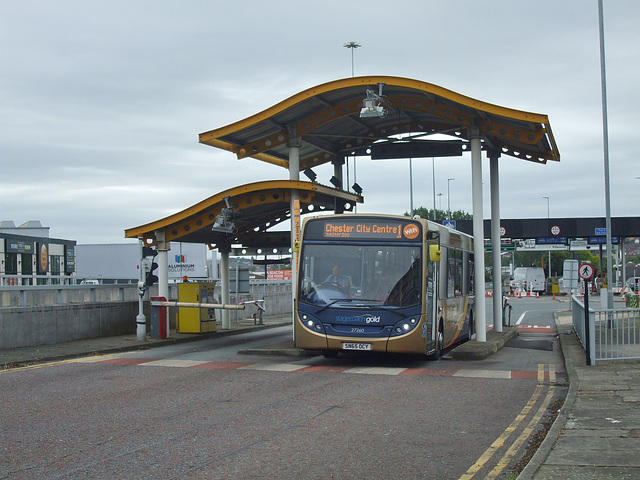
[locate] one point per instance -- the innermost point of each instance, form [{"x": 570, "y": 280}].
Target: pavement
[{"x": 596, "y": 434}]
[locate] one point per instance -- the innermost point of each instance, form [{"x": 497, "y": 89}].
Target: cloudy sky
[{"x": 101, "y": 102}]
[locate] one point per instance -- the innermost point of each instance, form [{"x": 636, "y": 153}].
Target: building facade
[{"x": 28, "y": 256}]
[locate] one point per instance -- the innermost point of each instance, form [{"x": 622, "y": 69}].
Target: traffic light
[{"x": 149, "y": 265}]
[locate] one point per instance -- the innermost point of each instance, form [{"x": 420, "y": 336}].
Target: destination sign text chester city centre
[{"x": 370, "y": 229}]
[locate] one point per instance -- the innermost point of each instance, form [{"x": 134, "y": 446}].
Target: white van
[{"x": 528, "y": 278}]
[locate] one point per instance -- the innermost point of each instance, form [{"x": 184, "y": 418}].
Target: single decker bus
[{"x": 383, "y": 283}]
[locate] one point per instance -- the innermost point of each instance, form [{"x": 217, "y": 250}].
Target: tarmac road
[{"x": 203, "y": 410}]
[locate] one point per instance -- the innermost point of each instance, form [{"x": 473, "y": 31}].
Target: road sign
[
  {"x": 570, "y": 274},
  {"x": 506, "y": 245},
  {"x": 602, "y": 240},
  {"x": 551, "y": 241},
  {"x": 449, "y": 223},
  {"x": 586, "y": 271},
  {"x": 578, "y": 244},
  {"x": 601, "y": 231}
]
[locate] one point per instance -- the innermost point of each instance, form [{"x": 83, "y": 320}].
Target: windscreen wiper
[
  {"x": 386, "y": 308},
  {"x": 324, "y": 307}
]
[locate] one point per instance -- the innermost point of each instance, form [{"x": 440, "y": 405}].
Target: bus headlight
[
  {"x": 311, "y": 323},
  {"x": 404, "y": 326}
]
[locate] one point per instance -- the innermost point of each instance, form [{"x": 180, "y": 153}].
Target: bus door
[{"x": 431, "y": 302}]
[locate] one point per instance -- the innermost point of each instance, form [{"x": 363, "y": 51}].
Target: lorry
[{"x": 528, "y": 279}]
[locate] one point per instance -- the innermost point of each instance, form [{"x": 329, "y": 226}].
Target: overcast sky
[{"x": 101, "y": 102}]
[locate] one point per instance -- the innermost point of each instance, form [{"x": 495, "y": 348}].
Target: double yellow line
[
  {"x": 517, "y": 422},
  {"x": 34, "y": 366}
]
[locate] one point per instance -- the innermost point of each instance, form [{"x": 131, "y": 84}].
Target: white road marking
[
  {"x": 483, "y": 374},
  {"x": 376, "y": 370},
  {"x": 168, "y": 362}
]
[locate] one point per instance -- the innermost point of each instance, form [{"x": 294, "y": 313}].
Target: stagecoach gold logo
[{"x": 411, "y": 231}]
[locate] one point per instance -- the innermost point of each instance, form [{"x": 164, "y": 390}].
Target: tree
[{"x": 441, "y": 215}]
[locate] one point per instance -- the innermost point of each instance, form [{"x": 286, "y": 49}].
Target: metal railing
[{"x": 613, "y": 334}]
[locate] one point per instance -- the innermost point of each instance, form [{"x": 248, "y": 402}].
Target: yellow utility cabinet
[{"x": 193, "y": 319}]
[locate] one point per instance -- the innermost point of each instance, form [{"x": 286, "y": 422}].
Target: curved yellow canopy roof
[
  {"x": 326, "y": 119},
  {"x": 256, "y": 208}
]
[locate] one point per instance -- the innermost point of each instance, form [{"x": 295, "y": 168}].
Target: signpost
[{"x": 587, "y": 272}]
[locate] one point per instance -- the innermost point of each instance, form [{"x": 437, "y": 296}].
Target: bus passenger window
[{"x": 454, "y": 273}]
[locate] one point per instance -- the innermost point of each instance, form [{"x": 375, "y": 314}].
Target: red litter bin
[{"x": 158, "y": 318}]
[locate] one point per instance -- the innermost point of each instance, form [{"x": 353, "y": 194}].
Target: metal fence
[{"x": 612, "y": 334}]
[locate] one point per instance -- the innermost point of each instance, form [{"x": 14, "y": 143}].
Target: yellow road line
[
  {"x": 500, "y": 441},
  {"x": 526, "y": 433},
  {"x": 58, "y": 362}
]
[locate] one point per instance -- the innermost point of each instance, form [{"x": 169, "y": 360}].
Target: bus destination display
[{"x": 370, "y": 229}]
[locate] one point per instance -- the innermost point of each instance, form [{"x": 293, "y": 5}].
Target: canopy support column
[
  {"x": 163, "y": 248},
  {"x": 294, "y": 174},
  {"x": 478, "y": 237},
  {"x": 495, "y": 240},
  {"x": 225, "y": 286}
]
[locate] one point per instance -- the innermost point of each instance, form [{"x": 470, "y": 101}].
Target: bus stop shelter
[
  {"x": 240, "y": 215},
  {"x": 393, "y": 116}
]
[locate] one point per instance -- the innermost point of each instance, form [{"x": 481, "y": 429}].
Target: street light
[
  {"x": 352, "y": 46},
  {"x": 449, "y": 197},
  {"x": 548, "y": 227}
]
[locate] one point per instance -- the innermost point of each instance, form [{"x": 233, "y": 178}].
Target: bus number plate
[{"x": 356, "y": 346}]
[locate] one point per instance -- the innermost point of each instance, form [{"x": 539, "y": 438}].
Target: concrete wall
[
  {"x": 35, "y": 315},
  {"x": 24, "y": 326}
]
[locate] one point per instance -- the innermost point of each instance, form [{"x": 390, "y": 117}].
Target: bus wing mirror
[{"x": 434, "y": 253}]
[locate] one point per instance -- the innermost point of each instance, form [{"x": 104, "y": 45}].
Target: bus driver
[{"x": 338, "y": 280}]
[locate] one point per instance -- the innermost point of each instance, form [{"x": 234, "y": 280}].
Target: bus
[{"x": 382, "y": 283}]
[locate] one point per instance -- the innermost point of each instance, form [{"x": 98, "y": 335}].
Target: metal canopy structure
[
  {"x": 327, "y": 120},
  {"x": 256, "y": 208},
  {"x": 346, "y": 117},
  {"x": 241, "y": 215}
]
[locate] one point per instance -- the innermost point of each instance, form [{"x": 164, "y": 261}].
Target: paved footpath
[{"x": 597, "y": 433}]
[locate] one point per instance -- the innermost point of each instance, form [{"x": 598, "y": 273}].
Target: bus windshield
[{"x": 360, "y": 276}]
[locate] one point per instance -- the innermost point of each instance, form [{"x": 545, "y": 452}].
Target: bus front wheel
[{"x": 329, "y": 353}]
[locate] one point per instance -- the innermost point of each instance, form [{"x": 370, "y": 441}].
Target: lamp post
[
  {"x": 449, "y": 198},
  {"x": 411, "y": 185},
  {"x": 352, "y": 46},
  {"x": 605, "y": 138},
  {"x": 548, "y": 226},
  {"x": 433, "y": 177}
]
